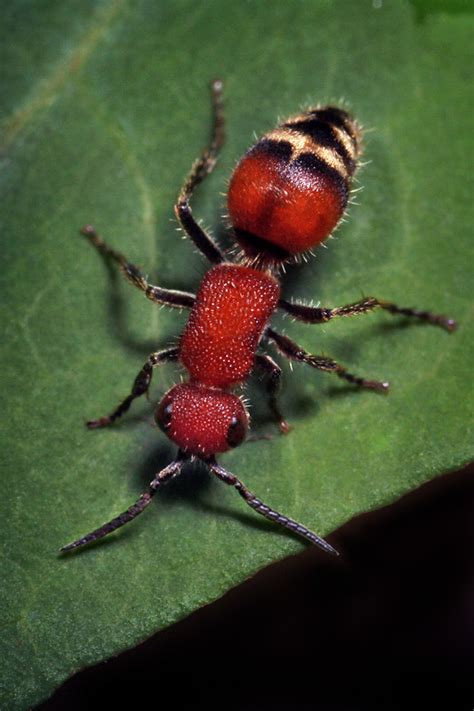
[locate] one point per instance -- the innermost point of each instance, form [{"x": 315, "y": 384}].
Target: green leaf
[{"x": 105, "y": 107}]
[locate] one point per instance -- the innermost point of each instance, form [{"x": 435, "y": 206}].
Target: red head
[{"x": 202, "y": 421}]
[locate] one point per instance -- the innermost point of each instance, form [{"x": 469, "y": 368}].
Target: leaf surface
[{"x": 105, "y": 107}]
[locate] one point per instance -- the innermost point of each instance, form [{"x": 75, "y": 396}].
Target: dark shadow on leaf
[
  {"x": 159, "y": 454},
  {"x": 347, "y": 390},
  {"x": 118, "y": 319}
]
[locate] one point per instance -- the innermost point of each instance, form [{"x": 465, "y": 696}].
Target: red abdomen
[
  {"x": 290, "y": 190},
  {"x": 232, "y": 308}
]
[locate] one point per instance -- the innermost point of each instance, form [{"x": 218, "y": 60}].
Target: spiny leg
[
  {"x": 200, "y": 169},
  {"x": 266, "y": 511},
  {"x": 311, "y": 314},
  {"x": 168, "y": 297},
  {"x": 268, "y": 366},
  {"x": 293, "y": 351},
  {"x": 161, "y": 478},
  {"x": 140, "y": 386}
]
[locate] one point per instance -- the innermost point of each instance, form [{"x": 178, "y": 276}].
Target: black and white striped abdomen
[{"x": 329, "y": 134}]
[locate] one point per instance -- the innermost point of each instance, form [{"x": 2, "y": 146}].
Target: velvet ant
[{"x": 286, "y": 195}]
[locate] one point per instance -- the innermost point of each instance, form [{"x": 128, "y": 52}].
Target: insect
[{"x": 286, "y": 195}]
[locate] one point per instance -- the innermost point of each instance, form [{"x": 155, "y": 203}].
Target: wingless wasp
[{"x": 286, "y": 195}]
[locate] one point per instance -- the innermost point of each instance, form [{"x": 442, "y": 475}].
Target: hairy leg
[
  {"x": 266, "y": 511},
  {"x": 168, "y": 297},
  {"x": 293, "y": 351},
  {"x": 268, "y": 366},
  {"x": 201, "y": 168},
  {"x": 311, "y": 314},
  {"x": 140, "y": 386},
  {"x": 161, "y": 478}
]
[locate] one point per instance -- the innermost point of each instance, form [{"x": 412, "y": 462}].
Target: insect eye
[
  {"x": 164, "y": 415},
  {"x": 236, "y": 432}
]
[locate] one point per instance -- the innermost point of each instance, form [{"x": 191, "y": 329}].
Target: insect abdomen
[
  {"x": 291, "y": 188},
  {"x": 232, "y": 307}
]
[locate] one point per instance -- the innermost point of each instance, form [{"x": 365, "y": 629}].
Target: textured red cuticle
[
  {"x": 198, "y": 419},
  {"x": 284, "y": 203},
  {"x": 232, "y": 308}
]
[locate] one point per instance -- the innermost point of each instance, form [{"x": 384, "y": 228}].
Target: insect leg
[
  {"x": 202, "y": 167},
  {"x": 161, "y": 478},
  {"x": 311, "y": 314},
  {"x": 168, "y": 297},
  {"x": 268, "y": 366},
  {"x": 266, "y": 511},
  {"x": 293, "y": 351},
  {"x": 140, "y": 386}
]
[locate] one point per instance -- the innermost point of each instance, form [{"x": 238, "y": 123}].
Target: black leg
[
  {"x": 266, "y": 511},
  {"x": 200, "y": 169},
  {"x": 268, "y": 366},
  {"x": 161, "y": 478},
  {"x": 311, "y": 314},
  {"x": 293, "y": 351},
  {"x": 168, "y": 297},
  {"x": 140, "y": 386}
]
